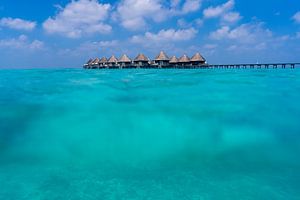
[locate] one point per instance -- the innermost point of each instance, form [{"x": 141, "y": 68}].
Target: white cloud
[
  {"x": 79, "y": 18},
  {"x": 191, "y": 6},
  {"x": 182, "y": 23},
  {"x": 296, "y": 17},
  {"x": 221, "y": 33},
  {"x": 17, "y": 24},
  {"x": 248, "y": 37},
  {"x": 214, "y": 12},
  {"x": 22, "y": 42},
  {"x": 170, "y": 35},
  {"x": 223, "y": 12},
  {"x": 231, "y": 17},
  {"x": 245, "y": 33},
  {"x": 135, "y": 14},
  {"x": 175, "y": 3}
]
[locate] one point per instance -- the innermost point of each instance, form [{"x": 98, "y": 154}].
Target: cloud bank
[
  {"x": 78, "y": 18},
  {"x": 17, "y": 24}
]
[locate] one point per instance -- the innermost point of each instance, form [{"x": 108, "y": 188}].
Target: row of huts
[{"x": 141, "y": 61}]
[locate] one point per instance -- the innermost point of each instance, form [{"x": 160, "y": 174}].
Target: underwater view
[{"x": 150, "y": 134}]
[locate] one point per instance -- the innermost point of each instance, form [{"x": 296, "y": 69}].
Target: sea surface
[{"x": 150, "y": 134}]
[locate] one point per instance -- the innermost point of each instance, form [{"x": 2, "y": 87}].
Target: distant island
[{"x": 142, "y": 61}]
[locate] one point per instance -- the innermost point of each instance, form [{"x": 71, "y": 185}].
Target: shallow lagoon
[{"x": 150, "y": 134}]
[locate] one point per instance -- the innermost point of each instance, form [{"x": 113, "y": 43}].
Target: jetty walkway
[
  {"x": 260, "y": 65},
  {"x": 205, "y": 66},
  {"x": 163, "y": 61}
]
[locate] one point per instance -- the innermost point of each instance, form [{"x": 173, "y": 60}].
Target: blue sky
[{"x": 65, "y": 33}]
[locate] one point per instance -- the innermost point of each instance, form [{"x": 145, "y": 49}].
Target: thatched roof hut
[
  {"x": 124, "y": 59},
  {"x": 162, "y": 57},
  {"x": 184, "y": 59},
  {"x": 112, "y": 59},
  {"x": 103, "y": 60},
  {"x": 198, "y": 58},
  {"x": 141, "y": 61},
  {"x": 96, "y": 61},
  {"x": 173, "y": 60},
  {"x": 89, "y": 62},
  {"x": 141, "y": 58}
]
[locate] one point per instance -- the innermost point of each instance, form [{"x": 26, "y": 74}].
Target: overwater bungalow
[
  {"x": 184, "y": 61},
  {"x": 95, "y": 63},
  {"x": 173, "y": 61},
  {"x": 162, "y": 60},
  {"x": 197, "y": 60},
  {"x": 88, "y": 63},
  {"x": 112, "y": 62},
  {"x": 125, "y": 62},
  {"x": 103, "y": 62},
  {"x": 141, "y": 61}
]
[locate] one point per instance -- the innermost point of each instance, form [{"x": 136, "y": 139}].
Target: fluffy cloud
[
  {"x": 245, "y": 33},
  {"x": 169, "y": 35},
  {"x": 191, "y": 6},
  {"x": 231, "y": 17},
  {"x": 134, "y": 14},
  {"x": 224, "y": 12},
  {"x": 175, "y": 3},
  {"x": 248, "y": 37},
  {"x": 17, "y": 24},
  {"x": 213, "y": 12},
  {"x": 79, "y": 18},
  {"x": 22, "y": 42},
  {"x": 296, "y": 17}
]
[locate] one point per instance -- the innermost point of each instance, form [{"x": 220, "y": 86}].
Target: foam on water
[{"x": 149, "y": 134}]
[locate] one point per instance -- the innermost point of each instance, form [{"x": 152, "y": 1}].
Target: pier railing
[
  {"x": 257, "y": 65},
  {"x": 225, "y": 66}
]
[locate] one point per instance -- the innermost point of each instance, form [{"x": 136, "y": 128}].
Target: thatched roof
[
  {"x": 96, "y": 61},
  {"x": 90, "y": 61},
  {"x": 162, "y": 57},
  {"x": 112, "y": 59},
  {"x": 124, "y": 59},
  {"x": 184, "y": 59},
  {"x": 198, "y": 58},
  {"x": 174, "y": 59},
  {"x": 103, "y": 60},
  {"x": 141, "y": 57}
]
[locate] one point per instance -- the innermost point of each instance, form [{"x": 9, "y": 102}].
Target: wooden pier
[
  {"x": 258, "y": 65},
  {"x": 162, "y": 61},
  {"x": 204, "y": 66}
]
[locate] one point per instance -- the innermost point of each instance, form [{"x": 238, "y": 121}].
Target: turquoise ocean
[{"x": 150, "y": 134}]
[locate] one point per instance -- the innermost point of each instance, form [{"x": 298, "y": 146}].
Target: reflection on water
[{"x": 138, "y": 134}]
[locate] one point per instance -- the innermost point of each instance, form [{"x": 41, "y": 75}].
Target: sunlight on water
[{"x": 150, "y": 134}]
